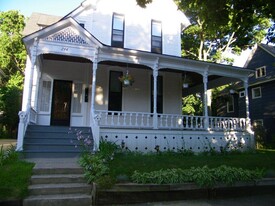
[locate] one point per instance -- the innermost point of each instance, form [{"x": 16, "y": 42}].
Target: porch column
[
  {"x": 95, "y": 63},
  {"x": 205, "y": 99},
  {"x": 155, "y": 75},
  {"x": 30, "y": 83},
  {"x": 245, "y": 81}
]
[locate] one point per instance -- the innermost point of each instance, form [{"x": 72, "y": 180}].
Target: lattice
[{"x": 67, "y": 35}]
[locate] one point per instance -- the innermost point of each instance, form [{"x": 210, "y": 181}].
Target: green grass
[
  {"x": 127, "y": 163},
  {"x": 14, "y": 175},
  {"x": 14, "y": 179}
]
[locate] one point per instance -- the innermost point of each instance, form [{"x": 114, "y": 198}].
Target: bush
[{"x": 96, "y": 166}]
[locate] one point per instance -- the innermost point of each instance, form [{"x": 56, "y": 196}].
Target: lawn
[
  {"x": 14, "y": 176},
  {"x": 127, "y": 163}
]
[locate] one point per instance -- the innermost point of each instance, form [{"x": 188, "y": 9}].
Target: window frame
[
  {"x": 260, "y": 72},
  {"x": 77, "y": 101},
  {"x": 253, "y": 93},
  {"x": 242, "y": 94},
  {"x": 45, "y": 100},
  {"x": 115, "y": 31},
  {"x": 154, "y": 38}
]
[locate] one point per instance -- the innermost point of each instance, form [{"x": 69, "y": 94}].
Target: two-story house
[
  {"x": 260, "y": 91},
  {"x": 116, "y": 68}
]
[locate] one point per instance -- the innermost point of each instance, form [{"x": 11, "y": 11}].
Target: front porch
[{"x": 136, "y": 131}]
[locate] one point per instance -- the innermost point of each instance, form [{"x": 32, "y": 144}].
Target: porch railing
[
  {"x": 25, "y": 118},
  {"x": 167, "y": 121}
]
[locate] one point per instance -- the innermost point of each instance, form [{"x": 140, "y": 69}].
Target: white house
[{"x": 73, "y": 70}]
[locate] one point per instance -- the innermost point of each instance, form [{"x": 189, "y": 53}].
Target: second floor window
[
  {"x": 156, "y": 38},
  {"x": 230, "y": 104},
  {"x": 260, "y": 72},
  {"x": 256, "y": 93},
  {"x": 118, "y": 30}
]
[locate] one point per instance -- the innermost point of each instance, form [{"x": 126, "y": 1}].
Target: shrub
[{"x": 96, "y": 166}]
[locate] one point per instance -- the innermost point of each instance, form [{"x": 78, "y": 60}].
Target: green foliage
[
  {"x": 143, "y": 3},
  {"x": 12, "y": 50},
  {"x": 14, "y": 175},
  {"x": 192, "y": 105},
  {"x": 202, "y": 176},
  {"x": 219, "y": 26},
  {"x": 7, "y": 155},
  {"x": 10, "y": 101},
  {"x": 96, "y": 166}
]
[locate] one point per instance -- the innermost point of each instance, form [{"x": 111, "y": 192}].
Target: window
[
  {"x": 115, "y": 91},
  {"x": 118, "y": 30},
  {"x": 159, "y": 94},
  {"x": 156, "y": 37},
  {"x": 77, "y": 97},
  {"x": 45, "y": 96},
  {"x": 230, "y": 104},
  {"x": 258, "y": 123},
  {"x": 256, "y": 93},
  {"x": 241, "y": 94},
  {"x": 260, "y": 72}
]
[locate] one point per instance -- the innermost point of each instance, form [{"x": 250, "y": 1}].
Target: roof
[
  {"x": 268, "y": 48},
  {"x": 262, "y": 55},
  {"x": 38, "y": 21}
]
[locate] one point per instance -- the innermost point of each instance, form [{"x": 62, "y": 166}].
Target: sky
[{"x": 53, "y": 7}]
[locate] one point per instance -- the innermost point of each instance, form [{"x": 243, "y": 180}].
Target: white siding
[{"x": 137, "y": 23}]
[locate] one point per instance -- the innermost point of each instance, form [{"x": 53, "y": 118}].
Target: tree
[
  {"x": 12, "y": 50},
  {"x": 12, "y": 64},
  {"x": 192, "y": 105},
  {"x": 271, "y": 34},
  {"x": 221, "y": 26},
  {"x": 10, "y": 101}
]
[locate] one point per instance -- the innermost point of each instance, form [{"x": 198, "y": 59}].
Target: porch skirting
[{"x": 151, "y": 140}]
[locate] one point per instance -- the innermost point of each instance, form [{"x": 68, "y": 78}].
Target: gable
[{"x": 68, "y": 35}]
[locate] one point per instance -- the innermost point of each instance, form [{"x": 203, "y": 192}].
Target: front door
[{"x": 61, "y": 103}]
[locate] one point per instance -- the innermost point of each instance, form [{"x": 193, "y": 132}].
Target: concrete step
[
  {"x": 52, "y": 147},
  {"x": 53, "y": 189},
  {"x": 57, "y": 200},
  {"x": 52, "y": 171},
  {"x": 57, "y": 178},
  {"x": 50, "y": 154},
  {"x": 40, "y": 128}
]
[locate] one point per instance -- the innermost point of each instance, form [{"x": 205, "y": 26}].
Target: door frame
[{"x": 56, "y": 122}]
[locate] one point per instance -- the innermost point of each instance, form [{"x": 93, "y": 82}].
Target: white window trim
[
  {"x": 253, "y": 93},
  {"x": 255, "y": 122},
  {"x": 50, "y": 97},
  {"x": 242, "y": 94},
  {"x": 261, "y": 75},
  {"x": 81, "y": 99}
]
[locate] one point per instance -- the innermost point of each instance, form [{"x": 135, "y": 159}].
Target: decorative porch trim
[{"x": 67, "y": 35}]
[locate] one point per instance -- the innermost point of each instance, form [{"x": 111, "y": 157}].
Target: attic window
[
  {"x": 118, "y": 30},
  {"x": 156, "y": 37},
  {"x": 260, "y": 72}
]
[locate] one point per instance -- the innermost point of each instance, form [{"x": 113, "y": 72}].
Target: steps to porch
[
  {"x": 58, "y": 182},
  {"x": 52, "y": 141}
]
